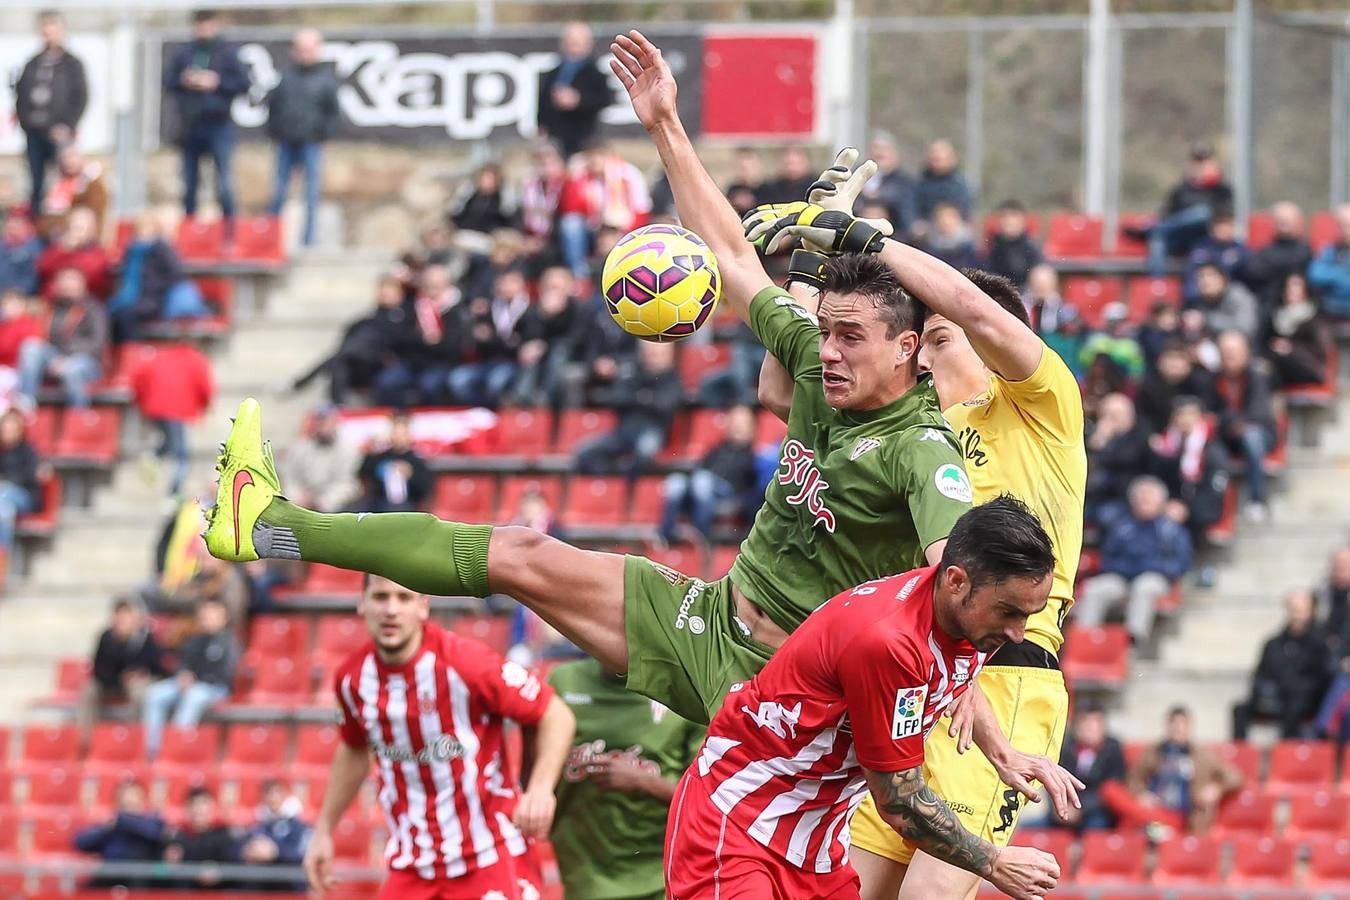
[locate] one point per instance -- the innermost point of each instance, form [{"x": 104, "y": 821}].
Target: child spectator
[
  {"x": 1175, "y": 375},
  {"x": 949, "y": 239},
  {"x": 1221, "y": 248},
  {"x": 203, "y": 839},
  {"x": 1162, "y": 328},
  {"x": 172, "y": 389},
  {"x": 280, "y": 836}
]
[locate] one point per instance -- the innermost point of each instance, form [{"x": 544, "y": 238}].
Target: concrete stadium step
[
  {"x": 97, "y": 553},
  {"x": 1153, "y": 690},
  {"x": 329, "y": 284}
]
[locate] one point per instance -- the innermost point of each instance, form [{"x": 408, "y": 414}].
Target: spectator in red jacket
[
  {"x": 601, "y": 191},
  {"x": 77, "y": 247},
  {"x": 17, "y": 324},
  {"x": 172, "y": 389}
]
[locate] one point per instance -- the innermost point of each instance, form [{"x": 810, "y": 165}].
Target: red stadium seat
[
  {"x": 1055, "y": 841},
  {"x": 1300, "y": 767},
  {"x": 352, "y": 840},
  {"x": 697, "y": 361},
  {"x": 126, "y": 359},
  {"x": 722, "y": 558},
  {"x": 279, "y": 635},
  {"x": 340, "y": 635},
  {"x": 1260, "y": 229},
  {"x": 1144, "y": 293},
  {"x": 1249, "y": 812},
  {"x": 55, "y": 786},
  {"x": 124, "y": 233},
  {"x": 1127, "y": 246},
  {"x": 1073, "y": 236},
  {"x": 9, "y": 831},
  {"x": 465, "y": 498},
  {"x": 54, "y": 836},
  {"x": 48, "y": 745},
  {"x": 92, "y": 434},
  {"x": 257, "y": 239},
  {"x": 514, "y": 488},
  {"x": 1262, "y": 861},
  {"x": 1322, "y": 230},
  {"x": 41, "y": 431},
  {"x": 314, "y": 749},
  {"x": 1112, "y": 857},
  {"x": 1244, "y": 757},
  {"x": 686, "y": 559},
  {"x": 251, "y": 749},
  {"x": 114, "y": 747},
  {"x": 201, "y": 240},
  {"x": 648, "y": 500},
  {"x": 43, "y": 522},
  {"x": 178, "y": 786},
  {"x": 1320, "y": 813},
  {"x": 580, "y": 425},
  {"x": 6, "y": 788},
  {"x": 189, "y": 749},
  {"x": 677, "y": 442},
  {"x": 707, "y": 429},
  {"x": 523, "y": 432},
  {"x": 495, "y": 631},
  {"x": 1188, "y": 860},
  {"x": 330, "y": 581},
  {"x": 1099, "y": 656},
  {"x": 596, "y": 501},
  {"x": 1329, "y": 865},
  {"x": 771, "y": 430},
  {"x": 279, "y": 681},
  {"x": 1090, "y": 296},
  {"x": 71, "y": 677}
]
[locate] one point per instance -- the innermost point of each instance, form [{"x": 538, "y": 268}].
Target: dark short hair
[
  {"x": 1184, "y": 401},
  {"x": 1175, "y": 346},
  {"x": 1179, "y": 710},
  {"x": 50, "y": 15},
  {"x": 200, "y": 791},
  {"x": 999, "y": 540},
  {"x": 1002, "y": 291},
  {"x": 863, "y": 273},
  {"x": 205, "y": 15},
  {"x": 1210, "y": 264},
  {"x": 1011, "y": 206}
]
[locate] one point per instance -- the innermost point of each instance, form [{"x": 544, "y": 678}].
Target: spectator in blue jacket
[
  {"x": 940, "y": 182},
  {"x": 133, "y": 834},
  {"x": 1143, "y": 555},
  {"x": 1221, "y": 248},
  {"x": 1329, "y": 273},
  {"x": 280, "y": 836},
  {"x": 19, "y": 249},
  {"x": 204, "y": 77}
]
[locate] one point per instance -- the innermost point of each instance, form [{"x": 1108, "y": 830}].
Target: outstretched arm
[
  {"x": 702, "y": 208},
  {"x": 1004, "y": 342}
]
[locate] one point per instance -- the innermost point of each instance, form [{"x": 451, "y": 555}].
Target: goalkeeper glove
[
  {"x": 827, "y": 230},
  {"x": 805, "y": 267}
]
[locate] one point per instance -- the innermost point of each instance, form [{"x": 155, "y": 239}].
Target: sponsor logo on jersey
[
  {"x": 952, "y": 483},
  {"x": 683, "y": 619},
  {"x": 586, "y": 756},
  {"x": 1007, "y": 813},
  {"x": 864, "y": 445},
  {"x": 932, "y": 434},
  {"x": 907, "y": 720},
  {"x": 573, "y": 699},
  {"x": 781, "y": 720},
  {"x": 514, "y": 675},
  {"x": 445, "y": 747},
  {"x": 796, "y": 309},
  {"x": 908, "y": 588},
  {"x": 970, "y": 441},
  {"x": 798, "y": 467},
  {"x": 961, "y": 669}
]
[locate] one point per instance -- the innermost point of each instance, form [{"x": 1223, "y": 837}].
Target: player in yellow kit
[{"x": 1017, "y": 412}]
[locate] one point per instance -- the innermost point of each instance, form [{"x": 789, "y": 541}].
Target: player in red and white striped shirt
[
  {"x": 429, "y": 706},
  {"x": 844, "y": 706}
]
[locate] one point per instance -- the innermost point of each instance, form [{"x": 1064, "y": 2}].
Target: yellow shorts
[{"x": 1031, "y": 705}]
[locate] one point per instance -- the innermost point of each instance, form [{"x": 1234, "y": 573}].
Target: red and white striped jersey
[
  {"x": 434, "y": 726},
  {"x": 858, "y": 685}
]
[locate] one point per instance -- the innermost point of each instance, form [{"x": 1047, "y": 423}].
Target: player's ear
[{"x": 906, "y": 348}]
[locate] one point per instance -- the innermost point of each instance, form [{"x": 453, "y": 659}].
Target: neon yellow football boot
[{"x": 248, "y": 482}]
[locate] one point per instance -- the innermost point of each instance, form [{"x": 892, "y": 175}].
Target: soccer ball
[{"x": 661, "y": 283}]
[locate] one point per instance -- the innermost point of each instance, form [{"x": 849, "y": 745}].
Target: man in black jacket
[
  {"x": 206, "y": 664},
  {"x": 1246, "y": 411},
  {"x": 1175, "y": 375},
  {"x": 726, "y": 475},
  {"x": 126, "y": 659},
  {"x": 1094, "y": 758},
  {"x": 302, "y": 111},
  {"x": 203, "y": 839},
  {"x": 1295, "y": 668},
  {"x": 204, "y": 77},
  {"x": 49, "y": 100},
  {"x": 1288, "y": 254},
  {"x": 1185, "y": 215},
  {"x": 647, "y": 399},
  {"x": 1013, "y": 252},
  {"x": 572, "y": 94},
  {"x": 396, "y": 479},
  {"x": 368, "y": 344}
]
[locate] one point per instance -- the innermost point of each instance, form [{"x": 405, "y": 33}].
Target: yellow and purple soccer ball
[{"x": 661, "y": 283}]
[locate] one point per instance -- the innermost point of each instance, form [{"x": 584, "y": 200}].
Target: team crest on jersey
[
  {"x": 798, "y": 467},
  {"x": 864, "y": 445},
  {"x": 908, "y": 718},
  {"x": 668, "y": 573},
  {"x": 952, "y": 483},
  {"x": 426, "y": 703}
]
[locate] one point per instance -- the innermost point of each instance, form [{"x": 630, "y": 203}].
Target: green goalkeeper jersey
[
  {"x": 858, "y": 493},
  {"x": 609, "y": 843}
]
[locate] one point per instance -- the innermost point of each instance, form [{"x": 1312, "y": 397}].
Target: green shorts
[{"x": 685, "y": 645}]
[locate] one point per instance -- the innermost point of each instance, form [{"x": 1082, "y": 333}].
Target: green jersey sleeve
[
  {"x": 787, "y": 331},
  {"x": 935, "y": 480}
]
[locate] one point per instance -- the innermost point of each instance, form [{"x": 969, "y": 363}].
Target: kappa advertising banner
[{"x": 418, "y": 89}]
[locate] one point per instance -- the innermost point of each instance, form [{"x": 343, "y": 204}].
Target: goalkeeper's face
[
  {"x": 958, "y": 372},
  {"x": 394, "y": 617},
  {"x": 864, "y": 365}
]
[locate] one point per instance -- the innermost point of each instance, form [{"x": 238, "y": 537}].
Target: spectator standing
[
  {"x": 1226, "y": 304},
  {"x": 1117, "y": 454},
  {"x": 321, "y": 466},
  {"x": 1220, "y": 247},
  {"x": 1193, "y": 466},
  {"x": 572, "y": 93},
  {"x": 1289, "y": 253},
  {"x": 204, "y": 77},
  {"x": 126, "y": 658},
  {"x": 206, "y": 666},
  {"x": 77, "y": 335},
  {"x": 494, "y": 343},
  {"x": 1189, "y": 207},
  {"x": 1143, "y": 554},
  {"x": 19, "y": 251},
  {"x": 794, "y": 179},
  {"x": 547, "y": 332},
  {"x": 602, "y": 191},
  {"x": 79, "y": 183},
  {"x": 1095, "y": 758},
  {"x": 892, "y": 187},
  {"x": 395, "y": 478},
  {"x": 1295, "y": 668},
  {"x": 941, "y": 182},
  {"x": 49, "y": 101},
  {"x": 133, "y": 834},
  {"x": 725, "y": 476},
  {"x": 204, "y": 838},
  {"x": 302, "y": 112},
  {"x": 1333, "y": 600},
  {"x": 369, "y": 346},
  {"x": 1013, "y": 252},
  {"x": 20, "y": 468},
  {"x": 1329, "y": 273},
  {"x": 172, "y": 389},
  {"x": 1300, "y": 343},
  {"x": 77, "y": 247},
  {"x": 152, "y": 284},
  {"x": 646, "y": 399},
  {"x": 949, "y": 238},
  {"x": 1246, "y": 412}
]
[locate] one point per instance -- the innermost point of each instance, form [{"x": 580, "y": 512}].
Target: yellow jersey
[{"x": 1025, "y": 438}]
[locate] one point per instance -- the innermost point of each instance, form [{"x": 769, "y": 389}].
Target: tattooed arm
[{"x": 912, "y": 808}]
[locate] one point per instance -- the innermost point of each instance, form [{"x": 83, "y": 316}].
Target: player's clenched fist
[
  {"x": 1024, "y": 873},
  {"x": 534, "y": 813},
  {"x": 319, "y": 862}
]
